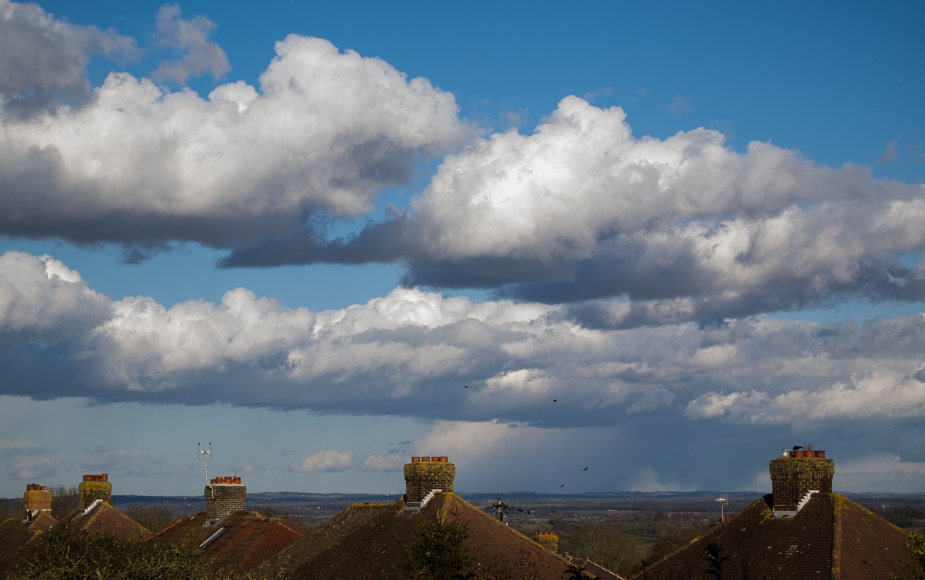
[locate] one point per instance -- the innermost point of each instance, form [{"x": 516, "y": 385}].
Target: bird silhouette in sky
[
  {"x": 466, "y": 386},
  {"x": 553, "y": 400},
  {"x": 563, "y": 485},
  {"x": 586, "y": 468}
]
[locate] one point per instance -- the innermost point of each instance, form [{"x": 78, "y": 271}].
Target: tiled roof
[
  {"x": 831, "y": 537},
  {"x": 355, "y": 542},
  {"x": 102, "y": 518},
  {"x": 248, "y": 540},
  {"x": 16, "y": 534}
]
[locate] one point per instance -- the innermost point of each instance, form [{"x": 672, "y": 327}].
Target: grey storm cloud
[
  {"x": 410, "y": 353},
  {"x": 191, "y": 38},
  {"x": 42, "y": 58}
]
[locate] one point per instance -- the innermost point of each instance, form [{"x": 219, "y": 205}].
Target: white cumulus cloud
[
  {"x": 41, "y": 295},
  {"x": 417, "y": 353},
  {"x": 323, "y": 133},
  {"x": 387, "y": 462},
  {"x": 330, "y": 460},
  {"x": 682, "y": 228}
]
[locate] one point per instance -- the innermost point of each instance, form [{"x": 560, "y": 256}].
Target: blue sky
[{"x": 523, "y": 236}]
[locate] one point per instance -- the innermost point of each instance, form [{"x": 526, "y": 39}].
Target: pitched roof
[
  {"x": 16, "y": 534},
  {"x": 359, "y": 539},
  {"x": 831, "y": 537},
  {"x": 240, "y": 542},
  {"x": 102, "y": 518}
]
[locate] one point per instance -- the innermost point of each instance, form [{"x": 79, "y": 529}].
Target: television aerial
[
  {"x": 722, "y": 502},
  {"x": 205, "y": 453}
]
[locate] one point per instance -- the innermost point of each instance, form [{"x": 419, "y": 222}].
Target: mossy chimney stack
[
  {"x": 425, "y": 474},
  {"x": 795, "y": 478},
  {"x": 92, "y": 488},
  {"x": 36, "y": 499}
]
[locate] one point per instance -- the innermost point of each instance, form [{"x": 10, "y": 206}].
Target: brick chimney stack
[
  {"x": 92, "y": 488},
  {"x": 795, "y": 476},
  {"x": 425, "y": 474},
  {"x": 36, "y": 499},
  {"x": 224, "y": 495}
]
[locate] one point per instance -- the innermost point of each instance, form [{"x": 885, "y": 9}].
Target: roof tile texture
[
  {"x": 250, "y": 540},
  {"x": 103, "y": 519},
  {"x": 831, "y": 537},
  {"x": 353, "y": 544},
  {"x": 15, "y": 534}
]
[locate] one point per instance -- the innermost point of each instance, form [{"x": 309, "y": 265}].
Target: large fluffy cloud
[
  {"x": 321, "y": 135},
  {"x": 42, "y": 298},
  {"x": 683, "y": 228},
  {"x": 416, "y": 353},
  {"x": 678, "y": 229}
]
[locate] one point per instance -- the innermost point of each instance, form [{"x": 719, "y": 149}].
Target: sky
[{"x": 659, "y": 240}]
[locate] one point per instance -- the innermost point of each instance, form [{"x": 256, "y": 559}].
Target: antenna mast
[
  {"x": 205, "y": 452},
  {"x": 722, "y": 502}
]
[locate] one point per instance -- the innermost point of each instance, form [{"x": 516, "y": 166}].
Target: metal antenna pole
[{"x": 205, "y": 452}]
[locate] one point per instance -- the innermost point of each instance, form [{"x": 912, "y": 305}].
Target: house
[
  {"x": 362, "y": 542},
  {"x": 800, "y": 530},
  {"x": 95, "y": 514},
  {"x": 235, "y": 541},
  {"x": 16, "y": 533}
]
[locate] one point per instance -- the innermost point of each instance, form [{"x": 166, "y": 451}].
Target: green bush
[{"x": 81, "y": 556}]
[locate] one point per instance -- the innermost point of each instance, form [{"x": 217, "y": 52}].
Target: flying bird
[
  {"x": 563, "y": 485},
  {"x": 586, "y": 468},
  {"x": 466, "y": 386},
  {"x": 553, "y": 400}
]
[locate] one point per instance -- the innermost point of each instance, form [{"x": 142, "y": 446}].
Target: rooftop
[
  {"x": 237, "y": 544},
  {"x": 365, "y": 536},
  {"x": 830, "y": 537}
]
